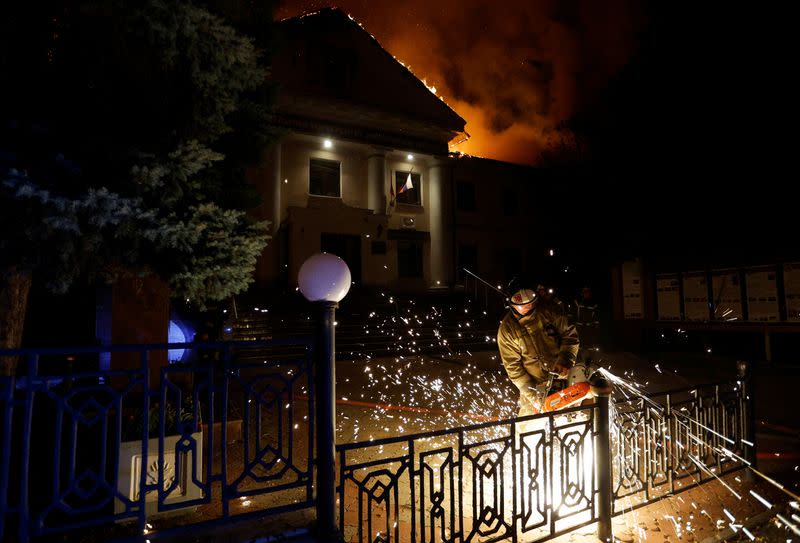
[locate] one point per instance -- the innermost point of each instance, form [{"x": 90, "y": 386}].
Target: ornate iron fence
[
  {"x": 488, "y": 482},
  {"x": 538, "y": 477},
  {"x": 691, "y": 436},
  {"x": 227, "y": 436}
]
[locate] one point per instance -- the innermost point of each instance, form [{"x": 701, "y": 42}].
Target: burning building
[{"x": 365, "y": 171}]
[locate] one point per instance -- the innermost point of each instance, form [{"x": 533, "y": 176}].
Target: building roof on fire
[{"x": 331, "y": 73}]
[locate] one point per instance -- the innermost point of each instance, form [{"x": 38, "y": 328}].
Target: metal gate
[{"x": 225, "y": 437}]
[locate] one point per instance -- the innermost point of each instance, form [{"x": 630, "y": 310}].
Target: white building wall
[
  {"x": 377, "y": 180},
  {"x": 366, "y": 176},
  {"x": 439, "y": 253},
  {"x": 295, "y": 160}
]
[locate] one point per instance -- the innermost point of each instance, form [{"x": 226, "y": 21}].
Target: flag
[
  {"x": 407, "y": 186},
  {"x": 392, "y": 201}
]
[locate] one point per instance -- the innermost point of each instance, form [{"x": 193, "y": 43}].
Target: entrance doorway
[{"x": 348, "y": 248}]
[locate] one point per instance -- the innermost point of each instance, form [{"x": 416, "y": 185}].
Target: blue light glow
[{"x": 178, "y": 333}]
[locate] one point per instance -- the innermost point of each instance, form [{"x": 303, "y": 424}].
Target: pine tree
[{"x": 110, "y": 138}]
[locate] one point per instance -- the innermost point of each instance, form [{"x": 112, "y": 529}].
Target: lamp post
[{"x": 324, "y": 279}]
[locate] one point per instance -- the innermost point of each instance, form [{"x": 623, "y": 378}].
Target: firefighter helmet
[{"x": 522, "y": 296}]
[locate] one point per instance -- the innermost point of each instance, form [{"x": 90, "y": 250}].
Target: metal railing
[
  {"x": 694, "y": 435},
  {"x": 539, "y": 476},
  {"x": 228, "y": 437},
  {"x": 488, "y": 482},
  {"x": 218, "y": 439}
]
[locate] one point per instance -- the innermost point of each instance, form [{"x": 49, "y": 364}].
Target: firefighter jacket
[{"x": 531, "y": 345}]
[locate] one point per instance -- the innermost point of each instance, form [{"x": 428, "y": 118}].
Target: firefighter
[{"x": 536, "y": 342}]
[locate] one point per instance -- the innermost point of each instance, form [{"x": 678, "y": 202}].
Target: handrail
[
  {"x": 487, "y": 287},
  {"x": 503, "y": 294},
  {"x": 468, "y": 428}
]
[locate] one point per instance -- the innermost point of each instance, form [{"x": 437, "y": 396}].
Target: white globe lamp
[{"x": 324, "y": 277}]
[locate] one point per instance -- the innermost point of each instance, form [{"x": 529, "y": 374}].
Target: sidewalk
[{"x": 697, "y": 515}]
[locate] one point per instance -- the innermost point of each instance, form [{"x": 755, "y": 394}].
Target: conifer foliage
[{"x": 120, "y": 149}]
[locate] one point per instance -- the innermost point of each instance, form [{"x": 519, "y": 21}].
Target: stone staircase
[{"x": 374, "y": 325}]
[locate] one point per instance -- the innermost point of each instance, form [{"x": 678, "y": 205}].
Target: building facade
[{"x": 364, "y": 170}]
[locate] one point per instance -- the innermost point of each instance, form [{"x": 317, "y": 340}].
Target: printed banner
[
  {"x": 669, "y": 297},
  {"x": 791, "y": 290},
  {"x": 695, "y": 296},
  {"x": 727, "y": 292},
  {"x": 632, "y": 290},
  {"x": 762, "y": 295}
]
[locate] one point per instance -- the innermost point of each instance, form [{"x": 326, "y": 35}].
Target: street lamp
[{"x": 324, "y": 279}]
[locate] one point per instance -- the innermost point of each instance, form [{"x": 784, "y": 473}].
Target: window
[
  {"x": 409, "y": 258},
  {"x": 324, "y": 178},
  {"x": 408, "y": 193},
  {"x": 465, "y": 196},
  {"x": 510, "y": 205}
]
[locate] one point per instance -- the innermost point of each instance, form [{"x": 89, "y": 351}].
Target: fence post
[
  {"x": 6, "y": 418},
  {"x": 746, "y": 413},
  {"x": 601, "y": 389}
]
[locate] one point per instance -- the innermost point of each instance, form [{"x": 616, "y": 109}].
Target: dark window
[
  {"x": 512, "y": 263},
  {"x": 510, "y": 203},
  {"x": 324, "y": 178},
  {"x": 467, "y": 258},
  {"x": 465, "y": 196},
  {"x": 409, "y": 258},
  {"x": 378, "y": 247},
  {"x": 408, "y": 194}
]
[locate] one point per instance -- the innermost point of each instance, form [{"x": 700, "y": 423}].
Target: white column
[
  {"x": 435, "y": 208},
  {"x": 376, "y": 182},
  {"x": 274, "y": 189}
]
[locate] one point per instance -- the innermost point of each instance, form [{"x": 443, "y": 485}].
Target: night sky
[{"x": 511, "y": 70}]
